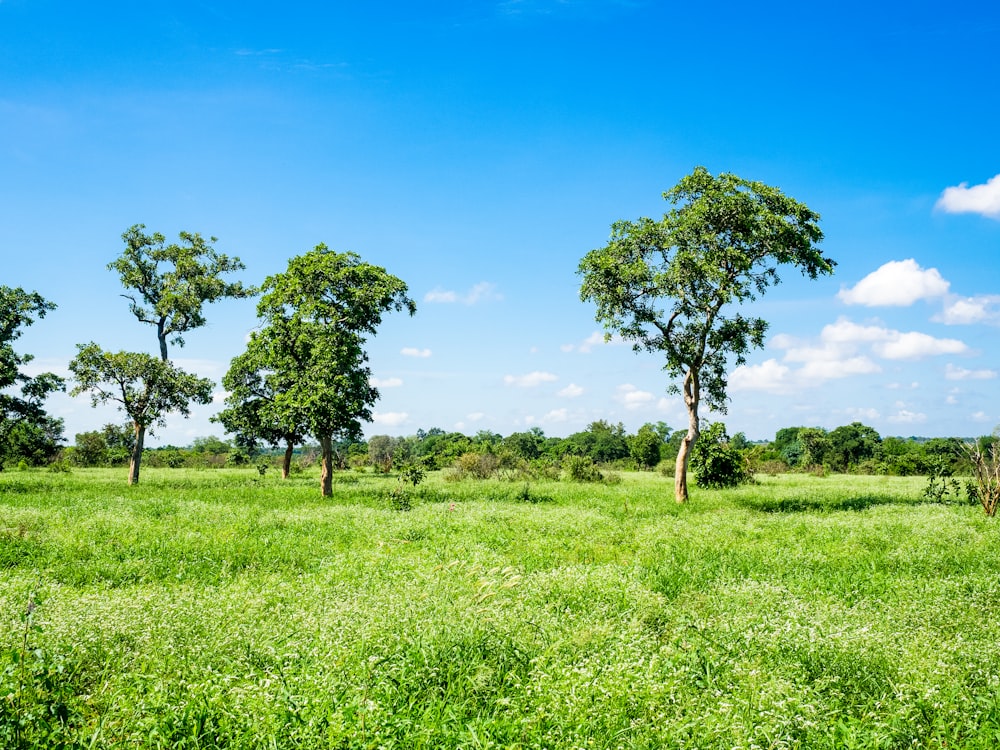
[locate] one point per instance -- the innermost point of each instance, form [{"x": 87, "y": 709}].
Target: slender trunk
[
  {"x": 286, "y": 464},
  {"x": 136, "y": 460},
  {"x": 326, "y": 466},
  {"x": 162, "y": 336},
  {"x": 691, "y": 398}
]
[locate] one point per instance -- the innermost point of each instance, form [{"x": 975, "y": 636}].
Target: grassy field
[{"x": 219, "y": 609}]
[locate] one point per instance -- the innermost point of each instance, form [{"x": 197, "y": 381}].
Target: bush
[
  {"x": 715, "y": 463},
  {"x": 581, "y": 469},
  {"x": 476, "y": 465}
]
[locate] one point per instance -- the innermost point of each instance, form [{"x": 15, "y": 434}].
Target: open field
[{"x": 218, "y": 609}]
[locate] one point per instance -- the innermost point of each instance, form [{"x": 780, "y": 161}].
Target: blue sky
[{"x": 478, "y": 150}]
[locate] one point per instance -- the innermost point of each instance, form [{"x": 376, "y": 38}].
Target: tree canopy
[
  {"x": 173, "y": 282},
  {"x": 675, "y": 286}
]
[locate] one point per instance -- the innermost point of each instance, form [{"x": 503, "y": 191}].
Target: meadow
[{"x": 222, "y": 609}]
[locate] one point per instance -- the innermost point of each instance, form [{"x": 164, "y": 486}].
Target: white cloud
[
  {"x": 390, "y": 418},
  {"x": 815, "y": 373},
  {"x": 385, "y": 382},
  {"x": 767, "y": 376},
  {"x": 914, "y": 345},
  {"x": 484, "y": 291},
  {"x": 555, "y": 416},
  {"x": 440, "y": 295},
  {"x": 531, "y": 380},
  {"x": 411, "y": 351},
  {"x": 632, "y": 398},
  {"x": 594, "y": 339},
  {"x": 951, "y": 372},
  {"x": 570, "y": 391},
  {"x": 905, "y": 416},
  {"x": 840, "y": 352},
  {"x": 862, "y": 414},
  {"x": 978, "y": 199},
  {"x": 966, "y": 310},
  {"x": 475, "y": 416},
  {"x": 981, "y": 416},
  {"x": 898, "y": 283}
]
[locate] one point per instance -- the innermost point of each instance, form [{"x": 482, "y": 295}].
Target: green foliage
[
  {"x": 715, "y": 463},
  {"x": 91, "y": 449},
  {"x": 646, "y": 447},
  {"x": 38, "y": 707},
  {"x": 26, "y": 431},
  {"x": 412, "y": 473},
  {"x": 172, "y": 283},
  {"x": 581, "y": 469},
  {"x": 942, "y": 485}
]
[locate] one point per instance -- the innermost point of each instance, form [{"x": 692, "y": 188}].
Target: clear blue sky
[{"x": 479, "y": 149}]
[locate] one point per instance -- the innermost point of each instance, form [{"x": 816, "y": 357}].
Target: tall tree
[
  {"x": 172, "y": 283},
  {"x": 144, "y": 387},
  {"x": 674, "y": 286},
  {"x": 23, "y": 421},
  {"x": 316, "y": 317}
]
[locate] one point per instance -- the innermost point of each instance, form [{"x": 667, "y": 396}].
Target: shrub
[
  {"x": 715, "y": 463},
  {"x": 581, "y": 469},
  {"x": 477, "y": 465}
]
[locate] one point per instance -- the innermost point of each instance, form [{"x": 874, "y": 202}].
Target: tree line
[
  {"x": 721, "y": 459},
  {"x": 675, "y": 286}
]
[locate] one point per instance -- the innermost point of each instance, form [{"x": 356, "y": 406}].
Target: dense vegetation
[
  {"x": 854, "y": 448},
  {"x": 228, "y": 609}
]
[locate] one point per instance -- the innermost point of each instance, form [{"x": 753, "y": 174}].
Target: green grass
[{"x": 218, "y": 609}]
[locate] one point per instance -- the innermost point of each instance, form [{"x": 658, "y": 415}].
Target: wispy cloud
[
  {"x": 594, "y": 339},
  {"x": 978, "y": 199},
  {"x": 952, "y": 372},
  {"x": 412, "y": 351},
  {"x": 385, "y": 382},
  {"x": 484, "y": 291},
  {"x": 531, "y": 380},
  {"x": 390, "y": 418},
  {"x": 898, "y": 283}
]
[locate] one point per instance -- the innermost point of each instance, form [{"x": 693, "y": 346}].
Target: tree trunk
[
  {"x": 326, "y": 466},
  {"x": 136, "y": 460},
  {"x": 691, "y": 398},
  {"x": 161, "y": 334},
  {"x": 286, "y": 464}
]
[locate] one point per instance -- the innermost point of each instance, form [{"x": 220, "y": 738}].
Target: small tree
[
  {"x": 173, "y": 282},
  {"x": 985, "y": 459},
  {"x": 252, "y": 410},
  {"x": 381, "y": 452},
  {"x": 145, "y": 388},
  {"x": 674, "y": 286},
  {"x": 645, "y": 447}
]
